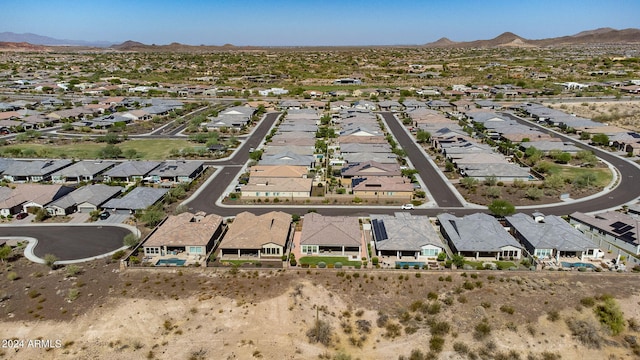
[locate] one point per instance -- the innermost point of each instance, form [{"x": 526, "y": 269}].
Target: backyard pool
[
  {"x": 578, "y": 265},
  {"x": 171, "y": 262},
  {"x": 409, "y": 263}
]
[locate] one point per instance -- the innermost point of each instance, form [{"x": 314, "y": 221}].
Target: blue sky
[{"x": 302, "y": 22}]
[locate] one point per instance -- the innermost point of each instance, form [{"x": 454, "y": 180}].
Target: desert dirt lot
[
  {"x": 625, "y": 114},
  {"x": 205, "y": 313}
]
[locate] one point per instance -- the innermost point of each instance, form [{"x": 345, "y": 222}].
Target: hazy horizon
[{"x": 299, "y": 23}]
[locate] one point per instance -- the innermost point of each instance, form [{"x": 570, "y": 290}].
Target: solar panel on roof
[
  {"x": 379, "y": 230},
  {"x": 628, "y": 237},
  {"x": 618, "y": 224}
]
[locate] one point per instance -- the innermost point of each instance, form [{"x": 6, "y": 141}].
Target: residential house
[
  {"x": 331, "y": 236},
  {"x": 551, "y": 237},
  {"x": 501, "y": 171},
  {"x": 289, "y": 158},
  {"x": 405, "y": 237},
  {"x": 280, "y": 171},
  {"x": 257, "y": 236},
  {"x": 130, "y": 171},
  {"x": 478, "y": 236},
  {"x": 80, "y": 171},
  {"x": 22, "y": 197},
  {"x": 185, "y": 235},
  {"x": 83, "y": 200},
  {"x": 390, "y": 105},
  {"x": 137, "y": 200},
  {"x": 386, "y": 187},
  {"x": 172, "y": 172},
  {"x": 611, "y": 229},
  {"x": 283, "y": 188},
  {"x": 370, "y": 168},
  {"x": 34, "y": 170}
]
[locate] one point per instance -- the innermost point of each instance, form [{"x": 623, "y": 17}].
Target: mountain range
[{"x": 507, "y": 39}]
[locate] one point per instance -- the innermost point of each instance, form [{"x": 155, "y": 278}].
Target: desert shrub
[
  {"x": 73, "y": 270},
  {"x": 610, "y": 316},
  {"x": 553, "y": 315},
  {"x": 382, "y": 320},
  {"x": 507, "y": 309},
  {"x": 50, "y": 260},
  {"x": 482, "y": 330},
  {"x": 588, "y": 302},
  {"x": 393, "y": 330},
  {"x": 322, "y": 265},
  {"x": 337, "y": 265},
  {"x": 73, "y": 294},
  {"x": 461, "y": 348},
  {"x": 130, "y": 240},
  {"x": 12, "y": 275},
  {"x": 439, "y": 328},
  {"x": 436, "y": 344},
  {"x": 118, "y": 255},
  {"x": 432, "y": 296},
  {"x": 321, "y": 332},
  {"x": 364, "y": 326},
  {"x": 586, "y": 332}
]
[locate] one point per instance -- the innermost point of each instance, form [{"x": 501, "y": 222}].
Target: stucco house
[
  {"x": 187, "y": 235},
  {"x": 405, "y": 237},
  {"x": 253, "y": 236},
  {"x": 84, "y": 200},
  {"x": 478, "y": 236},
  {"x": 331, "y": 236}
]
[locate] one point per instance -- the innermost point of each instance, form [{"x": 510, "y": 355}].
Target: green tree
[
  {"x": 610, "y": 315},
  {"x": 501, "y": 208},
  {"x": 42, "y": 215},
  {"x": 131, "y": 154},
  {"x": 423, "y": 136},
  {"x": 600, "y": 139},
  {"x": 130, "y": 240},
  {"x": 110, "y": 152},
  {"x": 554, "y": 182}
]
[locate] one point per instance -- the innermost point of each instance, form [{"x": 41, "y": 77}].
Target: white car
[{"x": 407, "y": 207}]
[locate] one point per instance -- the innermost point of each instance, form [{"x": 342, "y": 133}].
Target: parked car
[
  {"x": 105, "y": 215},
  {"x": 407, "y": 207},
  {"x": 21, "y": 215}
]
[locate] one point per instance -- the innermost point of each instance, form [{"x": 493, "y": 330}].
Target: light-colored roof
[
  {"x": 93, "y": 194},
  {"x": 249, "y": 231},
  {"x": 268, "y": 171},
  {"x": 372, "y": 168},
  {"x": 138, "y": 199},
  {"x": 384, "y": 183},
  {"x": 404, "y": 232},
  {"x": 496, "y": 169},
  {"x": 278, "y": 184},
  {"x": 476, "y": 232},
  {"x": 274, "y": 149},
  {"x": 185, "y": 229},
  {"x": 287, "y": 158},
  {"x": 83, "y": 168},
  {"x": 553, "y": 233},
  {"x": 345, "y": 139},
  {"x": 38, "y": 193},
  {"x": 132, "y": 168},
  {"x": 176, "y": 168},
  {"x": 330, "y": 230},
  {"x": 613, "y": 222},
  {"x": 35, "y": 167}
]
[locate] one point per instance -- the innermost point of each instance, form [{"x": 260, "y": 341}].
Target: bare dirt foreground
[{"x": 242, "y": 314}]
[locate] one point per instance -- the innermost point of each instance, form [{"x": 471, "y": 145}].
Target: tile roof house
[
  {"x": 385, "y": 187},
  {"x": 552, "y": 237},
  {"x": 618, "y": 230},
  {"x": 257, "y": 236},
  {"x": 478, "y": 236},
  {"x": 371, "y": 168},
  {"x": 405, "y": 235},
  {"x": 283, "y": 188},
  {"x": 87, "y": 170},
  {"x": 84, "y": 200},
  {"x": 130, "y": 171},
  {"x": 284, "y": 171},
  {"x": 331, "y": 236},
  {"x": 21, "y": 197},
  {"x": 33, "y": 171},
  {"x": 138, "y": 199},
  {"x": 288, "y": 158},
  {"x": 185, "y": 235}
]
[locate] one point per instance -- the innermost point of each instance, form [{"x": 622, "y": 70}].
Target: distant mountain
[
  {"x": 597, "y": 36},
  {"x": 20, "y": 46},
  {"x": 45, "y": 40}
]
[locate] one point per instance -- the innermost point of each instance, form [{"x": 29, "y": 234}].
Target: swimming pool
[
  {"x": 409, "y": 263},
  {"x": 171, "y": 262},
  {"x": 577, "y": 265}
]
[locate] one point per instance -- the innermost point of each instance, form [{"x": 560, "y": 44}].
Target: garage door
[{"x": 86, "y": 209}]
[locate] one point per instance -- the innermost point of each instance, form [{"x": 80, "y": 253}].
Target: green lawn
[
  {"x": 148, "y": 149},
  {"x": 314, "y": 260},
  {"x": 603, "y": 176},
  {"x": 500, "y": 264}
]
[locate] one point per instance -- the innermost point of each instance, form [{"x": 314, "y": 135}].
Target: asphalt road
[
  {"x": 70, "y": 242},
  {"x": 439, "y": 188},
  {"x": 626, "y": 191}
]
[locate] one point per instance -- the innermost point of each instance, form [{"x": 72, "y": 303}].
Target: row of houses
[
  {"x": 60, "y": 200},
  {"x": 87, "y": 112},
  {"x": 65, "y": 171},
  {"x": 397, "y": 239}
]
